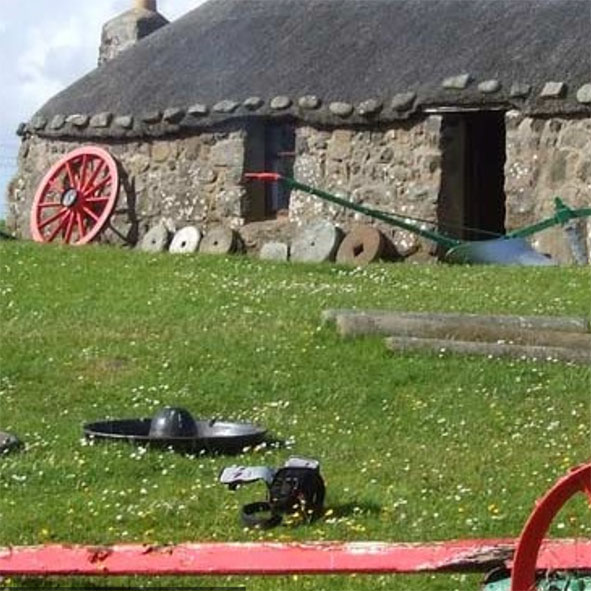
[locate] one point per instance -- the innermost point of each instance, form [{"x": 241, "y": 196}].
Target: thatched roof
[{"x": 335, "y": 62}]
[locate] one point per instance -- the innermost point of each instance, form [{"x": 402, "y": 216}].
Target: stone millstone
[
  {"x": 156, "y": 240},
  {"x": 316, "y": 243},
  {"x": 362, "y": 245},
  {"x": 186, "y": 241},
  {"x": 221, "y": 241},
  {"x": 274, "y": 251},
  {"x": 8, "y": 442}
]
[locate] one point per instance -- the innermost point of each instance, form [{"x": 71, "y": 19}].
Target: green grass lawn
[{"x": 413, "y": 447}]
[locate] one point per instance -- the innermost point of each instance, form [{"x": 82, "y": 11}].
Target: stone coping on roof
[{"x": 457, "y": 93}]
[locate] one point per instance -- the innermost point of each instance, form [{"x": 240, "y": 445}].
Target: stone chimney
[
  {"x": 146, "y": 5},
  {"x": 126, "y": 29}
]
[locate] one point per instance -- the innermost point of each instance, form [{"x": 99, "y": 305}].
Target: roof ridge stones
[
  {"x": 584, "y": 94},
  {"x": 307, "y": 107}
]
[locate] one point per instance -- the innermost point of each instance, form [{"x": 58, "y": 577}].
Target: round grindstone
[
  {"x": 156, "y": 240},
  {"x": 362, "y": 245},
  {"x": 185, "y": 241},
  {"x": 274, "y": 251},
  {"x": 8, "y": 442},
  {"x": 220, "y": 240},
  {"x": 316, "y": 243}
]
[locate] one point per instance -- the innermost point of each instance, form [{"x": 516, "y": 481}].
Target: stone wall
[
  {"x": 547, "y": 158},
  {"x": 394, "y": 169},
  {"x": 197, "y": 179},
  {"x": 193, "y": 180}
]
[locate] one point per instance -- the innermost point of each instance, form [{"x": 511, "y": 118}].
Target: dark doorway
[
  {"x": 279, "y": 157},
  {"x": 270, "y": 148},
  {"x": 471, "y": 203}
]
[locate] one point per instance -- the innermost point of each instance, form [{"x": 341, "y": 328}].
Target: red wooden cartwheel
[
  {"x": 523, "y": 577},
  {"x": 76, "y": 197}
]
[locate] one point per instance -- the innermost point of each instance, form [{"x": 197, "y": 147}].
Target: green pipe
[
  {"x": 563, "y": 214},
  {"x": 440, "y": 239}
]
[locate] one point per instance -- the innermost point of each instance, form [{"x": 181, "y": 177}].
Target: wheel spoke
[
  {"x": 93, "y": 176},
  {"x": 60, "y": 226},
  {"x": 90, "y": 192},
  {"x": 69, "y": 227},
  {"x": 90, "y": 213},
  {"x": 52, "y": 219},
  {"x": 49, "y": 204},
  {"x": 82, "y": 172},
  {"x": 70, "y": 173},
  {"x": 80, "y": 223}
]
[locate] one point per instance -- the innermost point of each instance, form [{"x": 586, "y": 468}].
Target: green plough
[{"x": 510, "y": 249}]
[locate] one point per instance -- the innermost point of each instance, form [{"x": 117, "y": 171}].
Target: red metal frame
[
  {"x": 526, "y": 559},
  {"x": 76, "y": 197},
  {"x": 281, "y": 559}
]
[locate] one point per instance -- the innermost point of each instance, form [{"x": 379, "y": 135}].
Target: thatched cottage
[{"x": 474, "y": 113}]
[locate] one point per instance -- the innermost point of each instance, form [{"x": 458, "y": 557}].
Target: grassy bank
[{"x": 413, "y": 447}]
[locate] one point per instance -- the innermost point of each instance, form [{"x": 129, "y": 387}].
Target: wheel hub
[{"x": 70, "y": 197}]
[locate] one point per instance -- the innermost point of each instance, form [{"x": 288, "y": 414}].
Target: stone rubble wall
[
  {"x": 395, "y": 169},
  {"x": 196, "y": 180},
  {"x": 180, "y": 181},
  {"x": 547, "y": 158}
]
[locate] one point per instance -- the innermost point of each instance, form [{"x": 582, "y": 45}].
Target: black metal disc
[{"x": 213, "y": 436}]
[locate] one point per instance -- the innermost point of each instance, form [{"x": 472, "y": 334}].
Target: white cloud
[
  {"x": 45, "y": 52},
  {"x": 33, "y": 70},
  {"x": 172, "y": 9},
  {"x": 47, "y": 45},
  {"x": 46, "y": 49}
]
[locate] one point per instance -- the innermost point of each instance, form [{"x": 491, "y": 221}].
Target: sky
[{"x": 45, "y": 46}]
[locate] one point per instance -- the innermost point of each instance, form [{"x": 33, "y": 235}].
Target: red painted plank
[{"x": 279, "y": 559}]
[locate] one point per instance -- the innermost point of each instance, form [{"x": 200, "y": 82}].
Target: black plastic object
[
  {"x": 297, "y": 488},
  {"x": 171, "y": 423},
  {"x": 8, "y": 442},
  {"x": 503, "y": 251},
  {"x": 260, "y": 515},
  {"x": 176, "y": 428}
]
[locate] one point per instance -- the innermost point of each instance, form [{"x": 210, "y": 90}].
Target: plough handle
[
  {"x": 562, "y": 215},
  {"x": 263, "y": 176},
  {"x": 445, "y": 241}
]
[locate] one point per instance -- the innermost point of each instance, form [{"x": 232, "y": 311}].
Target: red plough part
[
  {"x": 532, "y": 553},
  {"x": 76, "y": 197},
  {"x": 282, "y": 559},
  {"x": 527, "y": 558}
]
